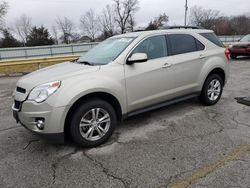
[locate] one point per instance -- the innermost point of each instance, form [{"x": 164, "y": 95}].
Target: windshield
[
  {"x": 106, "y": 51},
  {"x": 245, "y": 38}
]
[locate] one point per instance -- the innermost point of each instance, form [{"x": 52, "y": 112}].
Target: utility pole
[{"x": 186, "y": 9}]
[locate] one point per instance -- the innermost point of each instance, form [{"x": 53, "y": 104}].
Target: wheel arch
[
  {"x": 219, "y": 71},
  {"x": 111, "y": 99}
]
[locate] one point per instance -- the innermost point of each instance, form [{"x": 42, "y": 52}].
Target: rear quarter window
[{"x": 212, "y": 38}]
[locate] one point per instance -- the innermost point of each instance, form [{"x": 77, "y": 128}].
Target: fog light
[{"x": 40, "y": 124}]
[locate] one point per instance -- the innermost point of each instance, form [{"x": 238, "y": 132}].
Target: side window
[
  {"x": 182, "y": 43},
  {"x": 154, "y": 47},
  {"x": 199, "y": 45}
]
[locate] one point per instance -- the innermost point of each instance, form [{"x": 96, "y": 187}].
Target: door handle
[
  {"x": 202, "y": 56},
  {"x": 166, "y": 65}
]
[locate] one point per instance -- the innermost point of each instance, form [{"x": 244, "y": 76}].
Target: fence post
[
  {"x": 51, "y": 54},
  {"x": 72, "y": 50},
  {"x": 25, "y": 52}
]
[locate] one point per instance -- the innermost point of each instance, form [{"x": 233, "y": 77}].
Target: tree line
[
  {"x": 115, "y": 18},
  {"x": 221, "y": 24}
]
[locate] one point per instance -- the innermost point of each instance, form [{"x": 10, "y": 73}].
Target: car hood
[{"x": 54, "y": 73}]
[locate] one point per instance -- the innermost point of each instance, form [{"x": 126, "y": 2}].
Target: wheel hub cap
[
  {"x": 214, "y": 90},
  {"x": 94, "y": 124}
]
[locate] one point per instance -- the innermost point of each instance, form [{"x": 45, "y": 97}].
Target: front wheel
[
  {"x": 212, "y": 90},
  {"x": 93, "y": 123}
]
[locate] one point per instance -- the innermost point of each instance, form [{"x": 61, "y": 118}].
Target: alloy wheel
[
  {"x": 214, "y": 90},
  {"x": 94, "y": 124}
]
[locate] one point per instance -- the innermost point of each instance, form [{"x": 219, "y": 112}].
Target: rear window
[{"x": 213, "y": 38}]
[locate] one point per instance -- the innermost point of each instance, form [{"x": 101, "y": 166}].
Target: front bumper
[{"x": 54, "y": 119}]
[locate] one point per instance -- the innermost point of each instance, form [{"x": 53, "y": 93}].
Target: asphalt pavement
[{"x": 183, "y": 145}]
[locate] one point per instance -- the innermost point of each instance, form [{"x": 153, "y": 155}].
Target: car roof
[{"x": 147, "y": 33}]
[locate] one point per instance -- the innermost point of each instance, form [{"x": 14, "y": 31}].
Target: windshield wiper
[{"x": 85, "y": 63}]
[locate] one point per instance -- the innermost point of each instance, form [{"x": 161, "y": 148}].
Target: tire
[
  {"x": 212, "y": 90},
  {"x": 233, "y": 56},
  {"x": 86, "y": 129}
]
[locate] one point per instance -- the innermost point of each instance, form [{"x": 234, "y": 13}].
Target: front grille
[
  {"x": 17, "y": 105},
  {"x": 21, "y": 90}
]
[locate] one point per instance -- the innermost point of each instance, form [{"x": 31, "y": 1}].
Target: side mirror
[{"x": 137, "y": 58}]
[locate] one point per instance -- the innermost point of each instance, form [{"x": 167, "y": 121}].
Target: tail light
[{"x": 227, "y": 53}]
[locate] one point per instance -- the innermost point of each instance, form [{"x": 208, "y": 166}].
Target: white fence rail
[
  {"x": 44, "y": 51},
  {"x": 71, "y": 49},
  {"x": 230, "y": 39}
]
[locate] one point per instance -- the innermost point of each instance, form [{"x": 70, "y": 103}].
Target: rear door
[{"x": 187, "y": 57}]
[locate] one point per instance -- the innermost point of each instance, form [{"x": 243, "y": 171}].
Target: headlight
[
  {"x": 230, "y": 46},
  {"x": 42, "y": 92}
]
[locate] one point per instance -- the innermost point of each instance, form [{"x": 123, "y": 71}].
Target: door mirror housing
[{"x": 137, "y": 58}]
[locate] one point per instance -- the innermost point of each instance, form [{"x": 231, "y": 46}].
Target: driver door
[{"x": 150, "y": 82}]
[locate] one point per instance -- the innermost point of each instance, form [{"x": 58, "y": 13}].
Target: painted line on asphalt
[{"x": 203, "y": 172}]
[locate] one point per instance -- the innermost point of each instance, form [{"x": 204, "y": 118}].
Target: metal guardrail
[
  {"x": 44, "y": 51},
  {"x": 28, "y": 59},
  {"x": 29, "y": 65},
  {"x": 230, "y": 39},
  {"x": 71, "y": 49}
]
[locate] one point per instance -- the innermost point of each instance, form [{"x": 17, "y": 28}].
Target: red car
[{"x": 241, "y": 48}]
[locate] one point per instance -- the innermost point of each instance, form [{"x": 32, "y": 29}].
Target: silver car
[{"x": 122, "y": 76}]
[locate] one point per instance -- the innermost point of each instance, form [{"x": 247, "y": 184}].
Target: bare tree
[
  {"x": 240, "y": 24},
  {"x": 107, "y": 21},
  {"x": 23, "y": 27},
  {"x": 66, "y": 26},
  {"x": 131, "y": 23},
  {"x": 3, "y": 10},
  {"x": 90, "y": 24},
  {"x": 204, "y": 17},
  {"x": 124, "y": 9},
  {"x": 54, "y": 32},
  {"x": 158, "y": 22}
]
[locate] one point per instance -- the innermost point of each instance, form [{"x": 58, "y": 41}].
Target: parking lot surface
[{"x": 183, "y": 145}]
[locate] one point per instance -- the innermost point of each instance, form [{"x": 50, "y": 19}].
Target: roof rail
[{"x": 183, "y": 27}]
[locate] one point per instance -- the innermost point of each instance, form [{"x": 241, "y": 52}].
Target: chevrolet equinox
[{"x": 122, "y": 76}]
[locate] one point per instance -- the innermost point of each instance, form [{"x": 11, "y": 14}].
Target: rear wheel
[
  {"x": 93, "y": 123},
  {"x": 233, "y": 56},
  {"x": 212, "y": 90}
]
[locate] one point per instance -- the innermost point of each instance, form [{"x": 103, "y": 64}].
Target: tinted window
[
  {"x": 182, "y": 43},
  {"x": 154, "y": 47},
  {"x": 213, "y": 38}
]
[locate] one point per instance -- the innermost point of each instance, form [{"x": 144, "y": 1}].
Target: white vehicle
[{"x": 122, "y": 76}]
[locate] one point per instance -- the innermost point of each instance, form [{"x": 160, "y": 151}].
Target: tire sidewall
[
  {"x": 204, "y": 95},
  {"x": 77, "y": 116}
]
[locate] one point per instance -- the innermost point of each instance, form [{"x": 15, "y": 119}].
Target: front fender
[{"x": 71, "y": 91}]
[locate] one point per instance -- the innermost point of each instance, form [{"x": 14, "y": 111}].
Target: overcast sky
[{"x": 46, "y": 11}]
